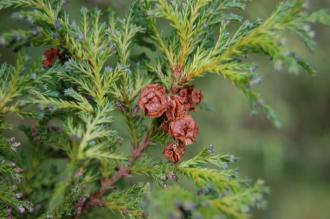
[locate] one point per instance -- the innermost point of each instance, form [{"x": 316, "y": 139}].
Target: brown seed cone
[
  {"x": 189, "y": 97},
  {"x": 153, "y": 100},
  {"x": 176, "y": 108},
  {"x": 184, "y": 129},
  {"x": 196, "y": 97},
  {"x": 185, "y": 96},
  {"x": 50, "y": 57},
  {"x": 174, "y": 152}
]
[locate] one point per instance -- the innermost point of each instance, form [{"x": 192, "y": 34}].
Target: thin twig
[{"x": 107, "y": 184}]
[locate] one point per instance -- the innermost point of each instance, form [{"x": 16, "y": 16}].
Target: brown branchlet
[{"x": 153, "y": 101}]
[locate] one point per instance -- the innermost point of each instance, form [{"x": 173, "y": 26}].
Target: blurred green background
[{"x": 293, "y": 160}]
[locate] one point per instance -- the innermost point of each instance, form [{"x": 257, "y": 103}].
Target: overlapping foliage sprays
[{"x": 73, "y": 161}]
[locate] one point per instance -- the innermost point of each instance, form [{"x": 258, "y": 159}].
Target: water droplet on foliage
[
  {"x": 21, "y": 209},
  {"x": 81, "y": 37},
  {"x": 108, "y": 69},
  {"x": 189, "y": 206},
  {"x": 211, "y": 149},
  {"x": 255, "y": 82},
  {"x": 33, "y": 76},
  {"x": 18, "y": 195},
  {"x": 163, "y": 178}
]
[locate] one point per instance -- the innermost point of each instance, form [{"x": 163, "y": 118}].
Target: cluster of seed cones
[{"x": 174, "y": 107}]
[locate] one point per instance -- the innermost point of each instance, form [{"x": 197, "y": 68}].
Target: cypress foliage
[{"x": 102, "y": 69}]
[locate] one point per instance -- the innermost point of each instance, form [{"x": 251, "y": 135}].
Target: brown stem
[
  {"x": 107, "y": 184},
  {"x": 123, "y": 170}
]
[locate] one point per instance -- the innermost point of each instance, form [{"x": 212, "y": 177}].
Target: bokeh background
[{"x": 293, "y": 160}]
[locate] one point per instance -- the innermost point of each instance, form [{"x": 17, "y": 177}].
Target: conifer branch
[
  {"x": 107, "y": 184},
  {"x": 89, "y": 72}
]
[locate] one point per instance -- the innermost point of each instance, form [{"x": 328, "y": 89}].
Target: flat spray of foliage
[{"x": 74, "y": 163}]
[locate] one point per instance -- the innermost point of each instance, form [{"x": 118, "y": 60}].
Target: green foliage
[
  {"x": 10, "y": 176},
  {"x": 218, "y": 190},
  {"x": 192, "y": 45},
  {"x": 73, "y": 159},
  {"x": 13, "y": 85},
  {"x": 153, "y": 169},
  {"x": 127, "y": 202},
  {"x": 234, "y": 195}
]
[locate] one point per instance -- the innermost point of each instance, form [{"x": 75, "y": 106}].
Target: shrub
[{"x": 104, "y": 70}]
